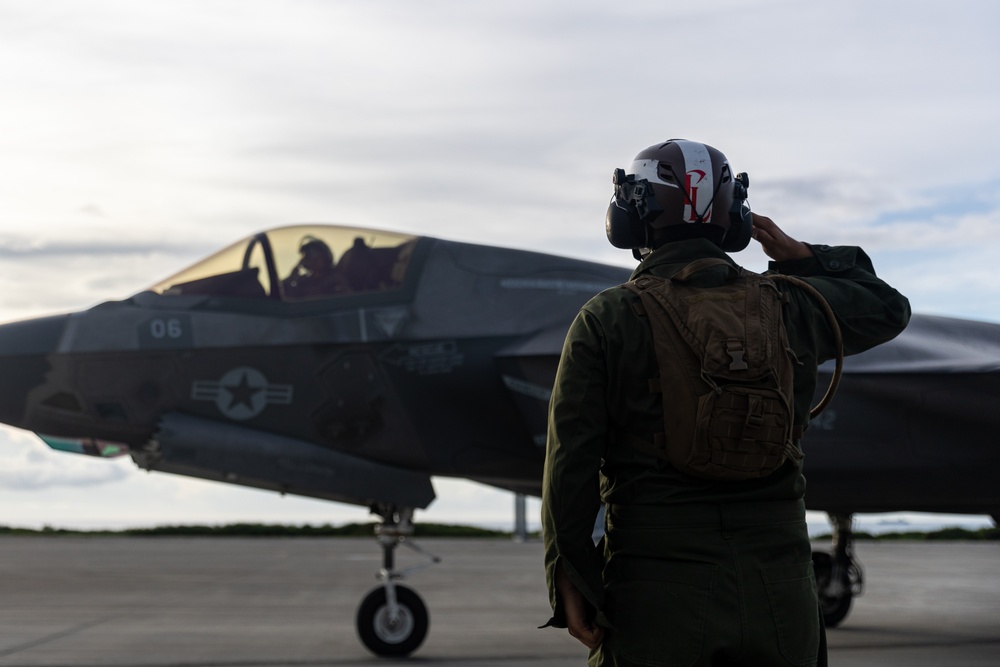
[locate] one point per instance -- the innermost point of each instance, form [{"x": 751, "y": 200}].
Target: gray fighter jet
[{"x": 352, "y": 365}]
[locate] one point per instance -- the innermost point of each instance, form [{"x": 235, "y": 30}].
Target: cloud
[
  {"x": 18, "y": 247},
  {"x": 880, "y": 214},
  {"x": 92, "y": 209},
  {"x": 151, "y": 134},
  {"x": 31, "y": 466},
  {"x": 45, "y": 276}
]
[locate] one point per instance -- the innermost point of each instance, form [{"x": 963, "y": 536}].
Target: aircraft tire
[
  {"x": 380, "y": 635},
  {"x": 833, "y": 607}
]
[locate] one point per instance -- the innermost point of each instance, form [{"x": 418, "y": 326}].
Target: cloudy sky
[{"x": 139, "y": 136}]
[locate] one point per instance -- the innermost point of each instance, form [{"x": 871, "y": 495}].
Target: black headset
[
  {"x": 634, "y": 204},
  {"x": 740, "y": 229}
]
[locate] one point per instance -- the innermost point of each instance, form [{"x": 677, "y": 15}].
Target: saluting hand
[{"x": 776, "y": 244}]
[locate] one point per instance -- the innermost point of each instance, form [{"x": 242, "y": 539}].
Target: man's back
[{"x": 692, "y": 570}]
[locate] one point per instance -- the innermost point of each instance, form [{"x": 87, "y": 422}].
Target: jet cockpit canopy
[{"x": 298, "y": 263}]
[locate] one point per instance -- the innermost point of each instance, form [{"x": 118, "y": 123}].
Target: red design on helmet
[{"x": 692, "y": 182}]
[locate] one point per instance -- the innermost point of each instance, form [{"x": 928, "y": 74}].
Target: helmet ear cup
[
  {"x": 624, "y": 228},
  {"x": 629, "y": 206},
  {"x": 740, "y": 229}
]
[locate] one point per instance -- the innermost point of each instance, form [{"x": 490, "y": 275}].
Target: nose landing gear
[{"x": 392, "y": 620}]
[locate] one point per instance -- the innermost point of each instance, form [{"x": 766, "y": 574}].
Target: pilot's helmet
[
  {"x": 679, "y": 182},
  {"x": 312, "y": 245}
]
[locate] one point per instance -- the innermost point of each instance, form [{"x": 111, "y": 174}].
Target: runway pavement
[{"x": 236, "y": 602}]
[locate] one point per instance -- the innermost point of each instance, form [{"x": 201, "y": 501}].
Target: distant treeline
[
  {"x": 420, "y": 530},
  {"x": 264, "y": 530},
  {"x": 942, "y": 534}
]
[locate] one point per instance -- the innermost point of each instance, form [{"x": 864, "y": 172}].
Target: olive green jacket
[{"x": 602, "y": 391}]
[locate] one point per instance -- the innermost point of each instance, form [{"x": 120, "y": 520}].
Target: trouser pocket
[
  {"x": 791, "y": 592},
  {"x": 658, "y": 613}
]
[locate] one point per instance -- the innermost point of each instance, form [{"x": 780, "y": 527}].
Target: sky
[{"x": 141, "y": 136}]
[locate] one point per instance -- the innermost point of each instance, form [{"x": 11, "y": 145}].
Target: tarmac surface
[{"x": 234, "y": 602}]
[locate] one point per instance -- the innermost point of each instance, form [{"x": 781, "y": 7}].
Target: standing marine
[{"x": 679, "y": 406}]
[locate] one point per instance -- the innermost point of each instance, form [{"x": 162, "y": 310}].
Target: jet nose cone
[
  {"x": 28, "y": 337},
  {"x": 24, "y": 350}
]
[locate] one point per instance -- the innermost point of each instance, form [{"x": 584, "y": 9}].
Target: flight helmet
[{"x": 675, "y": 183}]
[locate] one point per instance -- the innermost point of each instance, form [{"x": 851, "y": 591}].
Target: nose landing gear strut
[{"x": 392, "y": 620}]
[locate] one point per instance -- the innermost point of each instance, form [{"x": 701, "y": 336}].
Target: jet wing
[
  {"x": 932, "y": 344},
  {"x": 911, "y": 426}
]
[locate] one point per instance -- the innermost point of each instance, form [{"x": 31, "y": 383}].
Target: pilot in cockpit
[{"x": 315, "y": 274}]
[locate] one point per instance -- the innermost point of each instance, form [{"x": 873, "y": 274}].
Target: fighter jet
[
  {"x": 344, "y": 364},
  {"x": 353, "y": 365}
]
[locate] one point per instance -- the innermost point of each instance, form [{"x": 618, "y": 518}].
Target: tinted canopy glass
[{"x": 299, "y": 263}]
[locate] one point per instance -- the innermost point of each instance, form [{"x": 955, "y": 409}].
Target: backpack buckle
[{"x": 735, "y": 350}]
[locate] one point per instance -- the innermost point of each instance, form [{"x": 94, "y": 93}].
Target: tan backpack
[{"x": 726, "y": 373}]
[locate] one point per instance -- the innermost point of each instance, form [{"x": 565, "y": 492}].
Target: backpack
[{"x": 726, "y": 373}]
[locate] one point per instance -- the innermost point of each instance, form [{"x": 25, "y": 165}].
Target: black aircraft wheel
[
  {"x": 380, "y": 634},
  {"x": 834, "y": 607}
]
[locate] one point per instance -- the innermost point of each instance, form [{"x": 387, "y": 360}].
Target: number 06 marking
[{"x": 171, "y": 328}]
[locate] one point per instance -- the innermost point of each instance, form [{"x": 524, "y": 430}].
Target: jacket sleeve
[
  {"x": 868, "y": 310},
  {"x": 577, "y": 437}
]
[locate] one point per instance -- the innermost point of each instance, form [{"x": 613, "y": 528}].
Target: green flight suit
[{"x": 692, "y": 571}]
